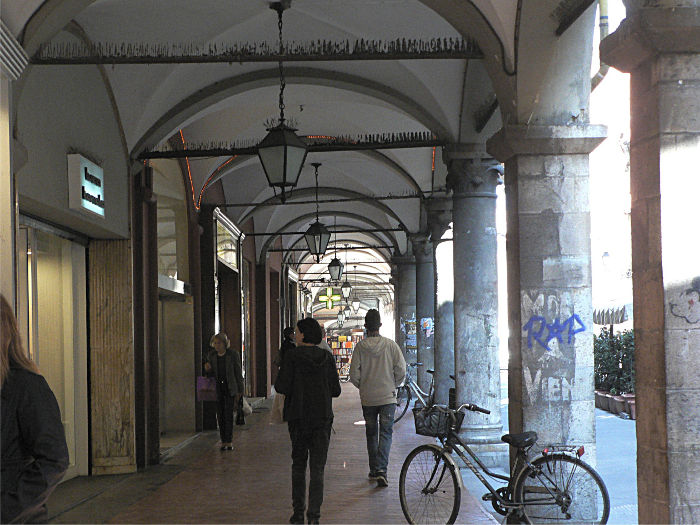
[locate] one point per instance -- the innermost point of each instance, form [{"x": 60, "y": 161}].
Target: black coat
[
  {"x": 234, "y": 375},
  {"x": 34, "y": 451},
  {"x": 308, "y": 379}
]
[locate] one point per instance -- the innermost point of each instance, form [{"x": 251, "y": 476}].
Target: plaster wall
[{"x": 59, "y": 114}]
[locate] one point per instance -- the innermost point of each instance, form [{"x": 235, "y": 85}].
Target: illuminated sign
[{"x": 85, "y": 185}]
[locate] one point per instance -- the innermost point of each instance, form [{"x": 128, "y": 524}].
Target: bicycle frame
[
  {"x": 449, "y": 446},
  {"x": 424, "y": 397}
]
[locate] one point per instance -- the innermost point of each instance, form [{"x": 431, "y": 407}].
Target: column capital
[
  {"x": 520, "y": 139},
  {"x": 439, "y": 216},
  {"x": 477, "y": 176},
  {"x": 400, "y": 260},
  {"x": 649, "y": 31},
  {"x": 422, "y": 247}
]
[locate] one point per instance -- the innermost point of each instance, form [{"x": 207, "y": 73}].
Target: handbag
[
  {"x": 240, "y": 416},
  {"x": 247, "y": 409},
  {"x": 277, "y": 410},
  {"x": 206, "y": 388}
]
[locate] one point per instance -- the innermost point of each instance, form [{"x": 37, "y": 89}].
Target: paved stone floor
[{"x": 252, "y": 484}]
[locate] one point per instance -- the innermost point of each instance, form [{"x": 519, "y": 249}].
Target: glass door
[{"x": 52, "y": 317}]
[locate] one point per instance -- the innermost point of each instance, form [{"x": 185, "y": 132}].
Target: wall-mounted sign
[{"x": 85, "y": 185}]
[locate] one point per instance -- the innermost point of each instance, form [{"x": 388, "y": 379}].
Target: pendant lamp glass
[
  {"x": 335, "y": 267},
  {"x": 317, "y": 236},
  {"x": 282, "y": 153},
  {"x": 355, "y": 299}
]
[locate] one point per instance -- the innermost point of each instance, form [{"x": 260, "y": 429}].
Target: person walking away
[
  {"x": 309, "y": 380},
  {"x": 287, "y": 343},
  {"x": 324, "y": 344},
  {"x": 377, "y": 369},
  {"x": 224, "y": 363},
  {"x": 34, "y": 450}
]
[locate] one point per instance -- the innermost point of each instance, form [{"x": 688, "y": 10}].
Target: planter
[
  {"x": 618, "y": 404},
  {"x": 600, "y": 400},
  {"x": 628, "y": 397},
  {"x": 608, "y": 402},
  {"x": 632, "y": 403}
]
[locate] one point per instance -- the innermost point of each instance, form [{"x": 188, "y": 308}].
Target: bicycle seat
[
  {"x": 524, "y": 440},
  {"x": 430, "y": 371},
  {"x": 415, "y": 364}
]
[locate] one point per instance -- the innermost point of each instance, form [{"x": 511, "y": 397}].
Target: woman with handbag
[
  {"x": 224, "y": 363},
  {"x": 308, "y": 379}
]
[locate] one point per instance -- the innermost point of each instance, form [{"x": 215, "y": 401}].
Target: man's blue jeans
[{"x": 379, "y": 435}]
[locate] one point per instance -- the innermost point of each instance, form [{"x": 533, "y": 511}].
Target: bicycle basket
[{"x": 435, "y": 421}]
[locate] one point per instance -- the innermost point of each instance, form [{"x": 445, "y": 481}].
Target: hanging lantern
[
  {"x": 355, "y": 303},
  {"x": 345, "y": 290},
  {"x": 335, "y": 268},
  {"x": 282, "y": 152},
  {"x": 317, "y": 237},
  {"x": 282, "y": 155}
]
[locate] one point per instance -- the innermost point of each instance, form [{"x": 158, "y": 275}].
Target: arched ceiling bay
[{"x": 161, "y": 104}]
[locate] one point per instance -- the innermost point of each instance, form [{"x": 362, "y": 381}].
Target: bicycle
[
  {"x": 556, "y": 485},
  {"x": 403, "y": 393}
]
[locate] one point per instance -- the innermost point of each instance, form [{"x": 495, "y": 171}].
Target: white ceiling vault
[{"x": 452, "y": 99}]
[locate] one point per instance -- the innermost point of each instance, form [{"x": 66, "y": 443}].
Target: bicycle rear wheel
[
  {"x": 559, "y": 487},
  {"x": 403, "y": 399},
  {"x": 428, "y": 487}
]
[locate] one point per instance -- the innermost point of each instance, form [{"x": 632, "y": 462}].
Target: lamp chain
[
  {"x": 316, "y": 192},
  {"x": 282, "y": 82}
]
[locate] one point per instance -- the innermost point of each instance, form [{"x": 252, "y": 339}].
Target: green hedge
[{"x": 613, "y": 359}]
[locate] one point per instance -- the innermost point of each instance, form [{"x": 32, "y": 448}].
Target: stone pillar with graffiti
[
  {"x": 473, "y": 177},
  {"x": 550, "y": 316},
  {"x": 425, "y": 306},
  {"x": 406, "y": 305},
  {"x": 659, "y": 45},
  {"x": 439, "y": 219}
]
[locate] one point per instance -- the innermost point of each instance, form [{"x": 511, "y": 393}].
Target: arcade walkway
[{"x": 201, "y": 484}]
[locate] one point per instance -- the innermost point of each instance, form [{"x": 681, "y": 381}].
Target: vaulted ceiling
[{"x": 448, "y": 99}]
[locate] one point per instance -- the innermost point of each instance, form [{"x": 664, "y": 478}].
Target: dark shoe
[
  {"x": 314, "y": 521},
  {"x": 372, "y": 476},
  {"x": 297, "y": 518},
  {"x": 226, "y": 448},
  {"x": 381, "y": 480}
]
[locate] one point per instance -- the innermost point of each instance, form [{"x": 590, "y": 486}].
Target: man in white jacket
[{"x": 377, "y": 369}]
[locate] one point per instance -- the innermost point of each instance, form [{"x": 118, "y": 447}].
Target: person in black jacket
[
  {"x": 224, "y": 363},
  {"x": 34, "y": 451},
  {"x": 308, "y": 379},
  {"x": 287, "y": 343}
]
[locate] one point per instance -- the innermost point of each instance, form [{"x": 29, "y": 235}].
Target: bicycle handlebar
[{"x": 474, "y": 408}]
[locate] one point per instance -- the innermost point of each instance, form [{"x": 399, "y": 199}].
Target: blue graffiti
[{"x": 537, "y": 325}]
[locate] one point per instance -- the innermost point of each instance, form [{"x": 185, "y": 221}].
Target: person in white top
[{"x": 377, "y": 368}]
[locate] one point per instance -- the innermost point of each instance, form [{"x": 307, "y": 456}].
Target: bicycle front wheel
[
  {"x": 428, "y": 486},
  {"x": 403, "y": 399},
  {"x": 559, "y": 487}
]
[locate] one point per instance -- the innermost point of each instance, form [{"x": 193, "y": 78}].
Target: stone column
[
  {"x": 405, "y": 288},
  {"x": 425, "y": 306},
  {"x": 660, "y": 47},
  {"x": 473, "y": 178},
  {"x": 439, "y": 219},
  {"x": 550, "y": 367}
]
